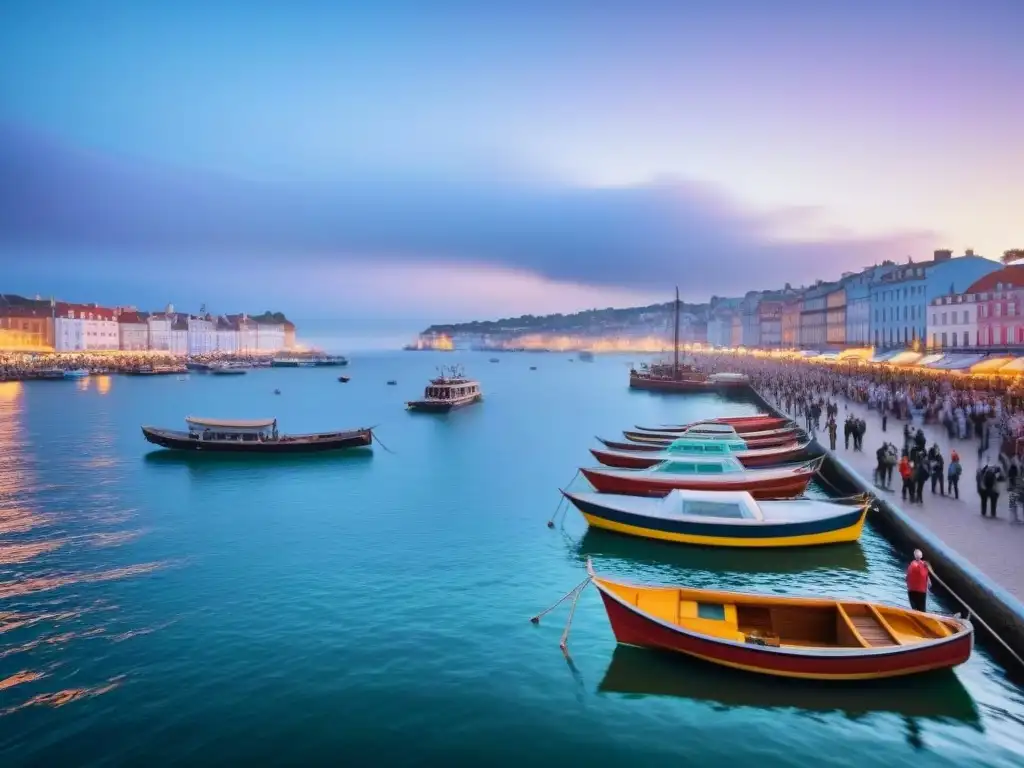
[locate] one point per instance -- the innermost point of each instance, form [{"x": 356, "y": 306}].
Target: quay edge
[{"x": 1000, "y": 610}]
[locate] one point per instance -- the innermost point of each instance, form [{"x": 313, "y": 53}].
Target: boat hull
[
  {"x": 643, "y": 484},
  {"x": 835, "y": 530},
  {"x": 643, "y": 459},
  {"x": 664, "y": 438},
  {"x": 434, "y": 406},
  {"x": 633, "y": 627},
  {"x": 335, "y": 441},
  {"x": 741, "y": 424}
]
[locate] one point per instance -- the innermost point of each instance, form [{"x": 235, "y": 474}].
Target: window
[
  {"x": 1011, "y": 308},
  {"x": 935, "y": 340},
  {"x": 943, "y": 338},
  {"x": 943, "y": 320},
  {"x": 713, "y": 509},
  {"x": 982, "y": 311},
  {"x": 999, "y": 310}
]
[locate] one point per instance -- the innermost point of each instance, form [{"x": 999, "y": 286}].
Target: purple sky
[{"x": 474, "y": 162}]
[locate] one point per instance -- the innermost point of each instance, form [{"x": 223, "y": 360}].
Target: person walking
[
  {"x": 988, "y": 488},
  {"x": 920, "y": 478},
  {"x": 953, "y": 472},
  {"x": 847, "y": 430},
  {"x": 832, "y": 430},
  {"x": 906, "y": 473},
  {"x": 918, "y": 581},
  {"x": 1014, "y": 484},
  {"x": 937, "y": 471}
]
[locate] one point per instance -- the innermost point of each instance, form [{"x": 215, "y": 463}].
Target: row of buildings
[
  {"x": 35, "y": 324},
  {"x": 946, "y": 302}
]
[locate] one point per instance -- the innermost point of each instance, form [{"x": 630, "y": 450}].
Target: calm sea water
[{"x": 159, "y": 609}]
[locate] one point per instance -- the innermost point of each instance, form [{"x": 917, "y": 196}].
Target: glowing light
[
  {"x": 10, "y": 391},
  {"x": 103, "y": 384}
]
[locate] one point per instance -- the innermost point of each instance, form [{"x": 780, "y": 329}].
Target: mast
[{"x": 675, "y": 364}]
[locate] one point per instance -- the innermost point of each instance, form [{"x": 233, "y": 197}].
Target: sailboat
[{"x": 671, "y": 378}]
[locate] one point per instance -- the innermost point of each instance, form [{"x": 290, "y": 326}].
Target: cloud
[{"x": 639, "y": 238}]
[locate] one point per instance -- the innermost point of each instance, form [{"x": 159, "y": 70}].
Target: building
[
  {"x": 84, "y": 328},
  {"x": 269, "y": 335},
  {"x": 813, "y": 316},
  {"x": 720, "y": 321},
  {"x": 789, "y": 321},
  {"x": 901, "y": 297},
  {"x": 858, "y": 303},
  {"x": 178, "y": 337},
  {"x": 160, "y": 331},
  {"x": 226, "y": 336},
  {"x": 770, "y": 321},
  {"x": 736, "y": 329},
  {"x": 25, "y": 323},
  {"x": 953, "y": 321},
  {"x": 202, "y": 335},
  {"x": 750, "y": 320},
  {"x": 835, "y": 316},
  {"x": 289, "y": 334},
  {"x": 999, "y": 299},
  {"x": 133, "y": 330}
]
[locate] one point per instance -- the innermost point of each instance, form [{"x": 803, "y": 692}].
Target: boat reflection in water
[
  {"x": 637, "y": 672},
  {"x": 670, "y": 558}
]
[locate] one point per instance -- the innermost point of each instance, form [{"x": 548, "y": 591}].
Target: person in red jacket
[
  {"x": 905, "y": 473},
  {"x": 918, "y": 579}
]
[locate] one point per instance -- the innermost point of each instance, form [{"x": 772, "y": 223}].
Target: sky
[{"x": 477, "y": 160}]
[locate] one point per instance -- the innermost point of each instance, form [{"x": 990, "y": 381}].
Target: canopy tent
[
  {"x": 884, "y": 357},
  {"x": 807, "y": 353},
  {"x": 826, "y": 357},
  {"x": 856, "y": 354},
  {"x": 1013, "y": 368},
  {"x": 929, "y": 360},
  {"x": 956, "y": 362},
  {"x": 990, "y": 365},
  {"x": 906, "y": 357}
]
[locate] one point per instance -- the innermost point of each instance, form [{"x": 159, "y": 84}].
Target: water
[{"x": 158, "y": 609}]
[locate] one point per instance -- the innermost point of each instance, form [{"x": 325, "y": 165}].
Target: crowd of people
[{"x": 19, "y": 366}]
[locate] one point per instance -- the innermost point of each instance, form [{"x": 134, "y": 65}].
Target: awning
[
  {"x": 860, "y": 354},
  {"x": 928, "y": 360},
  {"x": 808, "y": 353},
  {"x": 990, "y": 364},
  {"x": 828, "y": 357},
  {"x": 956, "y": 362},
  {"x": 1013, "y": 368},
  {"x": 231, "y": 424},
  {"x": 904, "y": 358},
  {"x": 884, "y": 357}
]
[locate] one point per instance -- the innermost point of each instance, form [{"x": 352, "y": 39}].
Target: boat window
[
  {"x": 710, "y": 469},
  {"x": 713, "y": 611},
  {"x": 686, "y": 448},
  {"x": 713, "y": 509},
  {"x": 677, "y": 466}
]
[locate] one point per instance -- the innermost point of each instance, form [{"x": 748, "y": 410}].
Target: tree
[{"x": 1012, "y": 255}]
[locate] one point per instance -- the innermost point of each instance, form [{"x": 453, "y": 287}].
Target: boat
[
  {"x": 718, "y": 473},
  {"x": 227, "y": 370},
  {"x": 765, "y": 439},
  {"x": 79, "y": 373},
  {"x": 252, "y": 436},
  {"x": 392, "y": 383},
  {"x": 198, "y": 367},
  {"x": 723, "y": 518},
  {"x": 448, "y": 391},
  {"x": 586, "y": 356},
  {"x": 729, "y": 380},
  {"x": 749, "y": 457},
  {"x": 533, "y": 367},
  {"x": 327, "y": 361},
  {"x": 344, "y": 379},
  {"x": 156, "y": 370},
  {"x": 292, "y": 362},
  {"x": 495, "y": 360},
  {"x": 803, "y": 637},
  {"x": 675, "y": 378},
  {"x": 741, "y": 424}
]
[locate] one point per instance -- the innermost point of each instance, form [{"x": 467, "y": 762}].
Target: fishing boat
[
  {"x": 252, "y": 436},
  {"x": 765, "y": 439},
  {"x": 749, "y": 457},
  {"x": 741, "y": 424},
  {"x": 723, "y": 518},
  {"x": 329, "y": 361},
  {"x": 705, "y": 473},
  {"x": 448, "y": 391},
  {"x": 804, "y": 637},
  {"x": 79, "y": 373},
  {"x": 675, "y": 378}
]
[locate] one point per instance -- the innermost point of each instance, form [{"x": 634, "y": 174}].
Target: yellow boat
[{"x": 817, "y": 638}]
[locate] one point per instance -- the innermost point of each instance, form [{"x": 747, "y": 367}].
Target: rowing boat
[
  {"x": 815, "y": 638},
  {"x": 749, "y": 457},
  {"x": 761, "y": 439},
  {"x": 741, "y": 424},
  {"x": 723, "y": 473},
  {"x": 723, "y": 519}
]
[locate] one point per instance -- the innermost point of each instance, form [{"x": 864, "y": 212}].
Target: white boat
[{"x": 80, "y": 373}]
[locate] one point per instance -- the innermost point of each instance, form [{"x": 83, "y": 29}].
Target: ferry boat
[
  {"x": 448, "y": 391},
  {"x": 252, "y": 436}
]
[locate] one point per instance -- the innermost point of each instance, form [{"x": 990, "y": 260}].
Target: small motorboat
[
  {"x": 392, "y": 383},
  {"x": 227, "y": 370},
  {"x": 344, "y": 379},
  {"x": 741, "y": 424},
  {"x": 495, "y": 360},
  {"x": 723, "y": 519},
  {"x": 749, "y": 457},
  {"x": 448, "y": 391},
  {"x": 815, "y": 638},
  {"x": 533, "y": 367},
  {"x": 719, "y": 473},
  {"x": 277, "y": 391}
]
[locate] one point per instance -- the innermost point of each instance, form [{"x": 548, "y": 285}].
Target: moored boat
[
  {"x": 447, "y": 392},
  {"x": 816, "y": 638},
  {"x": 252, "y": 436},
  {"x": 764, "y": 439},
  {"x": 155, "y": 370},
  {"x": 723, "y": 519},
  {"x": 741, "y": 424},
  {"x": 723, "y": 473},
  {"x": 227, "y": 370},
  {"x": 79, "y": 373},
  {"x": 749, "y": 457}
]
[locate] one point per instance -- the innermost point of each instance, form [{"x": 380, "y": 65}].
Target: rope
[
  {"x": 561, "y": 501},
  {"x": 378, "y": 442},
  {"x": 564, "y": 642},
  {"x": 536, "y": 619}
]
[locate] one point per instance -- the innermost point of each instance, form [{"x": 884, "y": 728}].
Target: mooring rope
[
  {"x": 561, "y": 501},
  {"x": 536, "y": 619},
  {"x": 564, "y": 642},
  {"x": 378, "y": 441}
]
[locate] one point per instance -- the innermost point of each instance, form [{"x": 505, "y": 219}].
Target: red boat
[
  {"x": 703, "y": 474},
  {"x": 752, "y": 457},
  {"x": 742, "y": 424},
  {"x": 814, "y": 638},
  {"x": 765, "y": 439},
  {"x": 618, "y": 445}
]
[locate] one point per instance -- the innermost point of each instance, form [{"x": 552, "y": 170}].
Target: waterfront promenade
[{"x": 993, "y": 546}]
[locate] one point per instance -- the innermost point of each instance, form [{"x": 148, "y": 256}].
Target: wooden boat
[
  {"x": 742, "y": 424},
  {"x": 765, "y": 439},
  {"x": 723, "y": 519},
  {"x": 816, "y": 638},
  {"x": 723, "y": 473},
  {"x": 619, "y": 445},
  {"x": 252, "y": 436},
  {"x": 749, "y": 457},
  {"x": 447, "y": 392}
]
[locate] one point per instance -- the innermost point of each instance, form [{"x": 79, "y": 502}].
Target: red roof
[
  {"x": 132, "y": 317},
  {"x": 1010, "y": 277},
  {"x": 85, "y": 310}
]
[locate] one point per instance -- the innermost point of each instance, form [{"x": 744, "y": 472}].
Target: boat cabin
[
  {"x": 726, "y": 505},
  {"x": 700, "y": 465},
  {"x": 256, "y": 430},
  {"x": 692, "y": 447},
  {"x": 451, "y": 389}
]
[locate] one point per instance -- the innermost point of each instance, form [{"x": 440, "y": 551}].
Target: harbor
[{"x": 156, "y": 583}]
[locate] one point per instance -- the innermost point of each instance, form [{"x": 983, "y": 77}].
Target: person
[
  {"x": 847, "y": 430},
  {"x": 832, "y": 429},
  {"x": 953, "y": 473},
  {"x": 1014, "y": 484},
  {"x": 905, "y": 473},
  {"x": 988, "y": 488},
  {"x": 918, "y": 580},
  {"x": 920, "y": 478},
  {"x": 937, "y": 466}
]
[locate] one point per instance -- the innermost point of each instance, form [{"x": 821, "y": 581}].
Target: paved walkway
[{"x": 994, "y": 546}]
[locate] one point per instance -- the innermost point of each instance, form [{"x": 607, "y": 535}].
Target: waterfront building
[
  {"x": 226, "y": 336},
  {"x": 178, "y": 337},
  {"x": 770, "y": 322},
  {"x": 160, "y": 330},
  {"x": 813, "y": 328},
  {"x": 736, "y": 329},
  {"x": 25, "y": 323},
  {"x": 901, "y": 297},
  {"x": 289, "y": 334},
  {"x": 202, "y": 335},
  {"x": 858, "y": 303},
  {"x": 999, "y": 299},
  {"x": 789, "y": 321},
  {"x": 84, "y": 328},
  {"x": 750, "y": 319},
  {"x": 133, "y": 330},
  {"x": 953, "y": 321},
  {"x": 835, "y": 315},
  {"x": 269, "y": 336},
  {"x": 721, "y": 318}
]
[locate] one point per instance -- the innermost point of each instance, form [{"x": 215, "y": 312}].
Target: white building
[
  {"x": 179, "y": 336},
  {"x": 269, "y": 337},
  {"x": 226, "y": 337},
  {"x": 133, "y": 330},
  {"x": 248, "y": 334},
  {"x": 953, "y": 321},
  {"x": 202, "y": 335},
  {"x": 159, "y": 332},
  {"x": 84, "y": 328}
]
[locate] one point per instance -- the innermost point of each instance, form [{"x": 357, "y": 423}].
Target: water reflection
[
  {"x": 10, "y": 391},
  {"x": 214, "y": 461},
  {"x": 638, "y": 672},
  {"x": 103, "y": 384}
]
